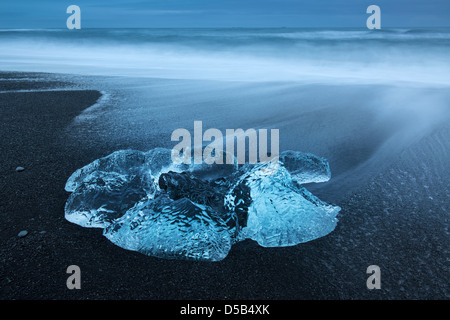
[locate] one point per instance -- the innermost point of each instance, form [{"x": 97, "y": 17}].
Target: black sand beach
[{"x": 397, "y": 219}]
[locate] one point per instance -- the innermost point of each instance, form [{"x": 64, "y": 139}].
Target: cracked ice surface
[{"x": 146, "y": 203}]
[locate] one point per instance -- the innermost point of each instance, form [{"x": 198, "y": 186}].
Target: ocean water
[{"x": 319, "y": 55}]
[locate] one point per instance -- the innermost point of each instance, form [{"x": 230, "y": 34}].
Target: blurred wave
[{"x": 305, "y": 55}]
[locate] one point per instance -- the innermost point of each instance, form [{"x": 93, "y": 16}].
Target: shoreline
[{"x": 33, "y": 135}]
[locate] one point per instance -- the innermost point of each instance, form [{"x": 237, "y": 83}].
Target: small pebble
[
  {"x": 22, "y": 233},
  {"x": 20, "y": 169}
]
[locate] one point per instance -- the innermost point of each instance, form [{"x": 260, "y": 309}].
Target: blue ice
[{"x": 146, "y": 203}]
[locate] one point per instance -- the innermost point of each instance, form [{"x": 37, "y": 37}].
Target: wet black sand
[{"x": 375, "y": 226}]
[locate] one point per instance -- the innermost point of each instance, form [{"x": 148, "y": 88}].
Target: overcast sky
[{"x": 223, "y": 13}]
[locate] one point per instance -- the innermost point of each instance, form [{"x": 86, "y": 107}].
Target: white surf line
[
  {"x": 23, "y": 79},
  {"x": 89, "y": 112},
  {"x": 41, "y": 90}
]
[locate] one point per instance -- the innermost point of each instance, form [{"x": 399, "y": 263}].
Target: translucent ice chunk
[
  {"x": 172, "y": 229},
  {"x": 147, "y": 203},
  {"x": 122, "y": 162},
  {"x": 105, "y": 196},
  {"x": 305, "y": 167},
  {"x": 283, "y": 213}
]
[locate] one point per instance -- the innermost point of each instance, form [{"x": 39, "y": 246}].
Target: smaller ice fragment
[{"x": 305, "y": 167}]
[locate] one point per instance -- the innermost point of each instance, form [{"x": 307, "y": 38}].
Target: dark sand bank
[{"x": 398, "y": 220}]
